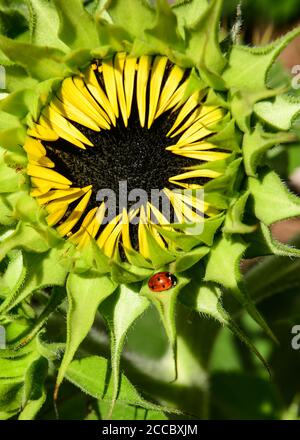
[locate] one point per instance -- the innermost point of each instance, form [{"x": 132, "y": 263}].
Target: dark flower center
[{"x": 134, "y": 154}]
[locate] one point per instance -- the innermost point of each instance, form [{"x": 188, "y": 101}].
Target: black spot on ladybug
[{"x": 162, "y": 281}]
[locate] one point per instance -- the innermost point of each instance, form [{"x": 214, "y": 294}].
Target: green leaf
[
  {"x": 124, "y": 411},
  {"x": 41, "y": 63},
  {"x": 202, "y": 233},
  {"x": 10, "y": 397},
  {"x": 15, "y": 373},
  {"x": 227, "y": 138},
  {"x": 51, "y": 351},
  {"x": 86, "y": 373},
  {"x": 243, "y": 103},
  {"x": 20, "y": 103},
  {"x": 30, "y": 238},
  {"x": 91, "y": 256},
  {"x": 189, "y": 259},
  {"x": 255, "y": 63},
  {"x": 34, "y": 392},
  {"x": 15, "y": 273},
  {"x": 164, "y": 32},
  {"x": 15, "y": 368},
  {"x": 158, "y": 256},
  {"x": 228, "y": 181},
  {"x": 13, "y": 19},
  {"x": 77, "y": 27},
  {"x": 256, "y": 143},
  {"x": 180, "y": 240},
  {"x": 44, "y": 24},
  {"x": 272, "y": 201},
  {"x": 281, "y": 113},
  {"x": 206, "y": 298},
  {"x": 85, "y": 293},
  {"x": 234, "y": 217},
  {"x": 112, "y": 38},
  {"x": 165, "y": 303},
  {"x": 223, "y": 268},
  {"x": 120, "y": 312},
  {"x": 223, "y": 262},
  {"x": 125, "y": 273},
  {"x": 58, "y": 294},
  {"x": 262, "y": 244},
  {"x": 274, "y": 275},
  {"x": 188, "y": 12},
  {"x": 10, "y": 180},
  {"x": 17, "y": 78},
  {"x": 135, "y": 15},
  {"x": 202, "y": 39},
  {"x": 42, "y": 270}
]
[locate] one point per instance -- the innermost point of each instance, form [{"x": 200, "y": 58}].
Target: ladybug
[{"x": 162, "y": 281}]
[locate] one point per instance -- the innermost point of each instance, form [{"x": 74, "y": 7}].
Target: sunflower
[
  {"x": 130, "y": 97},
  {"x": 104, "y": 127}
]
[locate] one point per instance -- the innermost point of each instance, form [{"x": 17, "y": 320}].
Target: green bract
[{"x": 59, "y": 39}]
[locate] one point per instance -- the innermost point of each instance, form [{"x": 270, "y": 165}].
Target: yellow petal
[
  {"x": 94, "y": 87},
  {"x": 110, "y": 84},
  {"x": 125, "y": 232},
  {"x": 47, "y": 174},
  {"x": 119, "y": 64},
  {"x": 61, "y": 193},
  {"x": 177, "y": 99},
  {"x": 191, "y": 119},
  {"x": 195, "y": 173},
  {"x": 196, "y": 146},
  {"x": 157, "y": 74},
  {"x": 142, "y": 235},
  {"x": 56, "y": 216},
  {"x": 141, "y": 87},
  {"x": 199, "y": 128},
  {"x": 45, "y": 123},
  {"x": 129, "y": 80},
  {"x": 45, "y": 185},
  {"x": 74, "y": 114},
  {"x": 187, "y": 185},
  {"x": 108, "y": 230},
  {"x": 169, "y": 89},
  {"x": 34, "y": 147},
  {"x": 43, "y": 162},
  {"x": 207, "y": 156},
  {"x": 75, "y": 216},
  {"x": 112, "y": 242},
  {"x": 186, "y": 109},
  {"x": 58, "y": 121},
  {"x": 38, "y": 192},
  {"x": 100, "y": 116},
  {"x": 70, "y": 94},
  {"x": 63, "y": 201},
  {"x": 92, "y": 228},
  {"x": 44, "y": 133},
  {"x": 176, "y": 206},
  {"x": 182, "y": 210},
  {"x": 78, "y": 236},
  {"x": 192, "y": 200},
  {"x": 161, "y": 219}
]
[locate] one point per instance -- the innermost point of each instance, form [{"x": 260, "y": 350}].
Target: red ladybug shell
[{"x": 162, "y": 281}]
